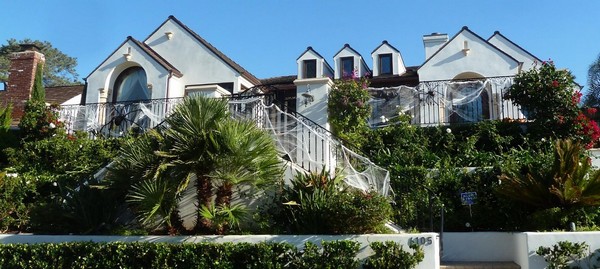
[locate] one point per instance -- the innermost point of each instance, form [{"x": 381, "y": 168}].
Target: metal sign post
[{"x": 469, "y": 198}]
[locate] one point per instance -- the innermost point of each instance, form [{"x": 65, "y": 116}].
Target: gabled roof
[
  {"x": 309, "y": 48},
  {"x": 61, "y": 94},
  {"x": 346, "y": 46},
  {"x": 159, "y": 59},
  {"x": 243, "y": 72},
  {"x": 466, "y": 29},
  {"x": 497, "y": 33},
  {"x": 385, "y": 43},
  {"x": 353, "y": 50},
  {"x": 150, "y": 52}
]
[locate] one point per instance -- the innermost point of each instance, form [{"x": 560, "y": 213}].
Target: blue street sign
[{"x": 468, "y": 198}]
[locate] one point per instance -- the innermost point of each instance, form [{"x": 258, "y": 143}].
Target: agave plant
[{"x": 569, "y": 183}]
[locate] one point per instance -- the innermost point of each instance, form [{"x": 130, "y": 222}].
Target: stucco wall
[
  {"x": 358, "y": 62},
  {"x": 482, "y": 59},
  {"x": 310, "y": 55},
  {"x": 514, "y": 51},
  {"x": 517, "y": 247},
  {"x": 197, "y": 63},
  {"x": 101, "y": 81},
  {"x": 398, "y": 64}
]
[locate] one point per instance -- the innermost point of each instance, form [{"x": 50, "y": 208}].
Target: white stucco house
[
  {"x": 461, "y": 79},
  {"x": 173, "y": 61}
]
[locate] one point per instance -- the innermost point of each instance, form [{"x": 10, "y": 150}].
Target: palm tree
[
  {"x": 569, "y": 183},
  {"x": 204, "y": 149}
]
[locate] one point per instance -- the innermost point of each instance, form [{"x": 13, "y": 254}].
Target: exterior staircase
[{"x": 307, "y": 146}]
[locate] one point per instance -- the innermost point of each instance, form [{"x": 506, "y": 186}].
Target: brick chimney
[{"x": 21, "y": 75}]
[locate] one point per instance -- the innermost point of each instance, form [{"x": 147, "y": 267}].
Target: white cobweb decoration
[
  {"x": 309, "y": 147},
  {"x": 439, "y": 102}
]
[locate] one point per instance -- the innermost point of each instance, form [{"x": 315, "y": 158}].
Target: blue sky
[{"x": 267, "y": 36}]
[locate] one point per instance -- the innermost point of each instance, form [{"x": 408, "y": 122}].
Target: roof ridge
[
  {"x": 157, "y": 57},
  {"x": 516, "y": 45}
]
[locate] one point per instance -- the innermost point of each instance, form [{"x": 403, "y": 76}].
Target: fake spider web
[
  {"x": 306, "y": 146},
  {"x": 438, "y": 102}
]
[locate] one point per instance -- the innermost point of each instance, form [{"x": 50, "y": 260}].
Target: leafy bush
[
  {"x": 563, "y": 254},
  {"x": 7, "y": 136},
  {"x": 13, "y": 208},
  {"x": 49, "y": 171},
  {"x": 317, "y": 203},
  {"x": 348, "y": 108},
  {"x": 549, "y": 96},
  {"x": 391, "y": 255}
]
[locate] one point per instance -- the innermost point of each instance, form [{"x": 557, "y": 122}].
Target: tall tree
[
  {"x": 59, "y": 68},
  {"x": 592, "y": 97}
]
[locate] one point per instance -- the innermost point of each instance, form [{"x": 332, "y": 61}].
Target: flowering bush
[
  {"x": 349, "y": 109},
  {"x": 550, "y": 98}
]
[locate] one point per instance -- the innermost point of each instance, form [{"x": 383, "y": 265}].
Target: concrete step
[{"x": 479, "y": 265}]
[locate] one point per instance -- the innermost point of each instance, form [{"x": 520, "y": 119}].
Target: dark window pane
[
  {"x": 385, "y": 64},
  {"x": 347, "y": 67},
  {"x": 310, "y": 68},
  {"x": 131, "y": 85}
]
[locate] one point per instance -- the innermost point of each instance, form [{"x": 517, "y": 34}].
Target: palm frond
[{"x": 154, "y": 201}]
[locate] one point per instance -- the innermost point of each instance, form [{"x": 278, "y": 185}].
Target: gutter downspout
[
  {"x": 83, "y": 100},
  {"x": 167, "y": 96}
]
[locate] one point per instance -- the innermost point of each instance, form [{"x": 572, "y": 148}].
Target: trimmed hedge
[{"x": 334, "y": 254}]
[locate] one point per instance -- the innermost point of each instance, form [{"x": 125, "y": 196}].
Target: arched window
[
  {"x": 469, "y": 98},
  {"x": 131, "y": 85}
]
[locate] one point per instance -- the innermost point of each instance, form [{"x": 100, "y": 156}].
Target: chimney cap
[
  {"x": 30, "y": 47},
  {"x": 435, "y": 34}
]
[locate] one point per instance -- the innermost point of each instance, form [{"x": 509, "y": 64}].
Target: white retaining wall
[
  {"x": 517, "y": 247},
  {"x": 429, "y": 241}
]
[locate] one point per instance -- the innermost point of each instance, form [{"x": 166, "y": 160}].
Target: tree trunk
[
  {"x": 223, "y": 199},
  {"x": 204, "y": 191},
  {"x": 224, "y": 193},
  {"x": 176, "y": 227}
]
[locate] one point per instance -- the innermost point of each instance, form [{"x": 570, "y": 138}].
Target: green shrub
[
  {"x": 335, "y": 254},
  {"x": 391, "y": 255},
  {"x": 317, "y": 203},
  {"x": 13, "y": 208},
  {"x": 52, "y": 169},
  {"x": 563, "y": 254},
  {"x": 349, "y": 109}
]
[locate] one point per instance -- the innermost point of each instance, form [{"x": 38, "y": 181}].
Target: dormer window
[
  {"x": 309, "y": 68},
  {"x": 385, "y": 64},
  {"x": 347, "y": 64}
]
